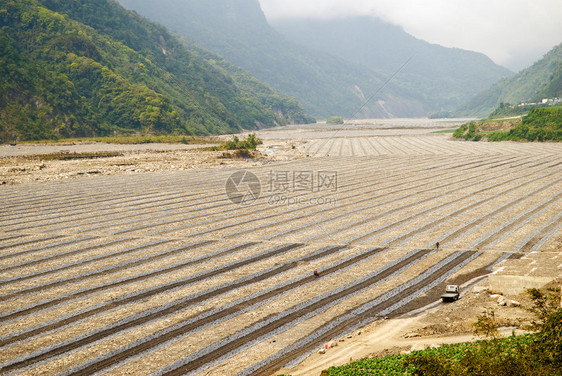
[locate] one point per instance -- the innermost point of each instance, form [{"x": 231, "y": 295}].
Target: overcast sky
[{"x": 513, "y": 33}]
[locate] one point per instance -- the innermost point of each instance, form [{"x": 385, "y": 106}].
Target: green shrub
[
  {"x": 459, "y": 133},
  {"x": 335, "y": 120},
  {"x": 498, "y": 136},
  {"x": 249, "y": 143},
  {"x": 541, "y": 124},
  {"x": 538, "y": 354}
]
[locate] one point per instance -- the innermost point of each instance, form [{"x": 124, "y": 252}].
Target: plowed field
[{"x": 162, "y": 273}]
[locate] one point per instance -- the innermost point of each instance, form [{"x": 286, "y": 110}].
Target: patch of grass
[
  {"x": 237, "y": 154},
  {"x": 128, "y": 140},
  {"x": 446, "y": 131},
  {"x": 335, "y": 120},
  {"x": 541, "y": 124},
  {"x": 62, "y": 156}
]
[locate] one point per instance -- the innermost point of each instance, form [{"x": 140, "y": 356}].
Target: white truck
[{"x": 452, "y": 293}]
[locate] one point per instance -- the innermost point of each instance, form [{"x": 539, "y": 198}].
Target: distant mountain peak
[
  {"x": 541, "y": 80},
  {"x": 323, "y": 63}
]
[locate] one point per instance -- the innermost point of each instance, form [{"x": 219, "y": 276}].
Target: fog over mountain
[
  {"x": 446, "y": 76},
  {"x": 540, "y": 81},
  {"x": 513, "y": 33},
  {"x": 351, "y": 69}
]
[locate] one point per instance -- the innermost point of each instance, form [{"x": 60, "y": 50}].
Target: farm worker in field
[
  {"x": 437, "y": 245},
  {"x": 316, "y": 273}
]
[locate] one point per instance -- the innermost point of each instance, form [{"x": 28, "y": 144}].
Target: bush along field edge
[
  {"x": 540, "y": 124},
  {"x": 537, "y": 353}
]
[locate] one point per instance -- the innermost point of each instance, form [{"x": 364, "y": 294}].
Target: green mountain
[
  {"x": 90, "y": 67},
  {"x": 238, "y": 31},
  {"x": 439, "y": 77},
  {"x": 552, "y": 88},
  {"x": 541, "y": 80},
  {"x": 337, "y": 67}
]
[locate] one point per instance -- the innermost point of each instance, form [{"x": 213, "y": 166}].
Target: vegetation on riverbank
[
  {"x": 131, "y": 140},
  {"x": 541, "y": 124},
  {"x": 534, "y": 354}
]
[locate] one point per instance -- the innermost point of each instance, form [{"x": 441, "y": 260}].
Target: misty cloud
[{"x": 514, "y": 33}]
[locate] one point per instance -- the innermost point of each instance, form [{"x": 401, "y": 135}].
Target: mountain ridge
[
  {"x": 326, "y": 83},
  {"x": 540, "y": 80},
  {"x": 74, "y": 69},
  {"x": 448, "y": 74}
]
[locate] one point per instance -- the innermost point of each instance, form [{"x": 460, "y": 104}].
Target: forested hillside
[
  {"x": 90, "y": 67},
  {"x": 237, "y": 30},
  {"x": 542, "y": 80},
  {"x": 438, "y": 77},
  {"x": 345, "y": 73}
]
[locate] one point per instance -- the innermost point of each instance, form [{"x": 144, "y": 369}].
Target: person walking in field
[
  {"x": 437, "y": 245},
  {"x": 316, "y": 274}
]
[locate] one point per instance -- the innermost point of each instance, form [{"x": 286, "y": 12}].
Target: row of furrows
[
  {"x": 114, "y": 269},
  {"x": 518, "y": 220},
  {"x": 51, "y": 328},
  {"x": 254, "y": 216},
  {"x": 354, "y": 195},
  {"x": 207, "y": 319},
  {"x": 492, "y": 236},
  {"x": 49, "y": 223},
  {"x": 433, "y": 182},
  {"x": 74, "y": 200},
  {"x": 25, "y": 242},
  {"x": 137, "y": 295},
  {"x": 481, "y": 220},
  {"x": 197, "y": 298},
  {"x": 164, "y": 214},
  {"x": 211, "y": 317},
  {"x": 96, "y": 310},
  {"x": 112, "y": 205},
  {"x": 173, "y": 307},
  {"x": 109, "y": 204},
  {"x": 165, "y": 254},
  {"x": 369, "y": 234},
  {"x": 303, "y": 239},
  {"x": 489, "y": 238},
  {"x": 401, "y": 146},
  {"x": 54, "y": 256},
  {"x": 535, "y": 240},
  {"x": 138, "y": 209},
  {"x": 66, "y": 196},
  {"x": 37, "y": 201},
  {"x": 370, "y": 146},
  {"x": 352, "y": 199},
  {"x": 377, "y": 146},
  {"x": 20, "y": 266},
  {"x": 379, "y": 306}
]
